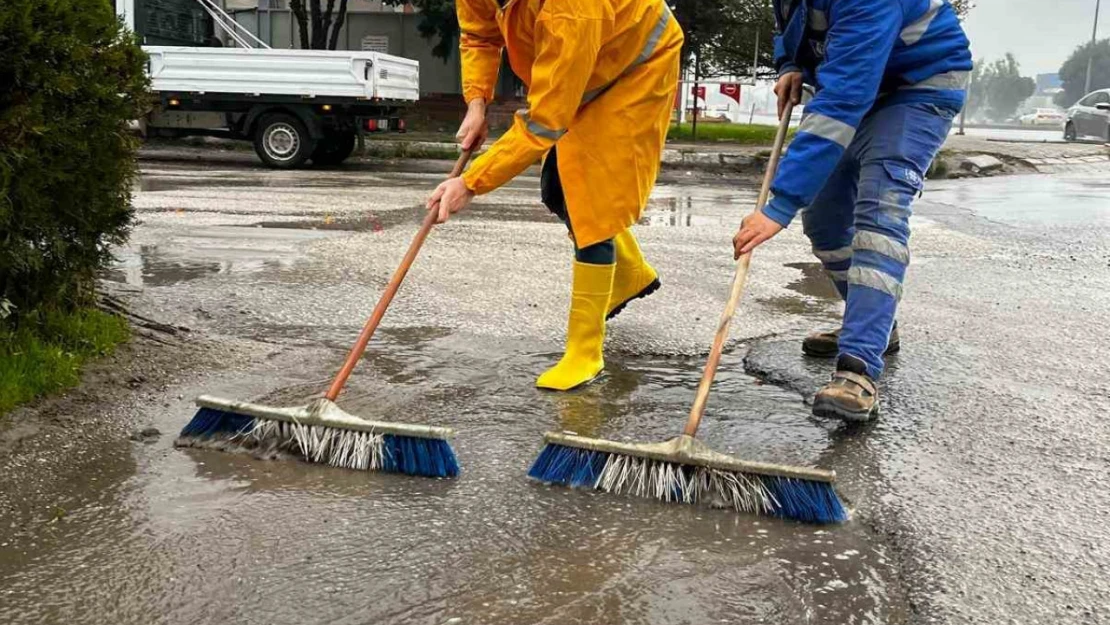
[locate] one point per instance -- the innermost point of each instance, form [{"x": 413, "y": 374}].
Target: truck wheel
[
  {"x": 334, "y": 149},
  {"x": 282, "y": 141}
]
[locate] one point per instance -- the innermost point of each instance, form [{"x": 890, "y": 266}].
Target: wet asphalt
[{"x": 982, "y": 494}]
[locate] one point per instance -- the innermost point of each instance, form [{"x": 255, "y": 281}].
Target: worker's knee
[
  {"x": 551, "y": 187},
  {"x": 824, "y": 231}
]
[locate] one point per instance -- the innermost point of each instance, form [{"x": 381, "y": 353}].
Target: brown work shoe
[
  {"x": 827, "y": 344},
  {"x": 849, "y": 396}
]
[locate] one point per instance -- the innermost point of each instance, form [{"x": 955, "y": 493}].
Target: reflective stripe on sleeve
[
  {"x": 915, "y": 31},
  {"x": 539, "y": 129},
  {"x": 818, "y": 21}
]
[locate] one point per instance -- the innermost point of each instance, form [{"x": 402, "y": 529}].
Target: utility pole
[
  {"x": 1091, "y": 52},
  {"x": 697, "y": 67},
  {"x": 755, "y": 59},
  {"x": 967, "y": 100},
  {"x": 697, "y": 77}
]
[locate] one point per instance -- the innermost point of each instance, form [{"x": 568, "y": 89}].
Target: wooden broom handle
[
  {"x": 738, "y": 282},
  {"x": 390, "y": 291}
]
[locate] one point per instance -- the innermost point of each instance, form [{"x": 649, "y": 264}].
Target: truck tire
[
  {"x": 333, "y": 149},
  {"x": 282, "y": 141}
]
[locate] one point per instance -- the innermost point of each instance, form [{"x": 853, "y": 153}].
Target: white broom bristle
[
  {"x": 325, "y": 445},
  {"x": 644, "y": 477}
]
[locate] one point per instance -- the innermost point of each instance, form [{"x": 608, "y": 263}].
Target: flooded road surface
[{"x": 981, "y": 496}]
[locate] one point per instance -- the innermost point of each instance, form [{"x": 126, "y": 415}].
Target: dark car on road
[{"x": 1090, "y": 117}]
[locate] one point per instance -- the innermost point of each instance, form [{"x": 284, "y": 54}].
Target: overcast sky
[{"x": 1040, "y": 33}]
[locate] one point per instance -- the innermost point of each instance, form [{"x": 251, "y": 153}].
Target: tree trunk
[
  {"x": 318, "y": 33},
  {"x": 302, "y": 21},
  {"x": 340, "y": 19}
]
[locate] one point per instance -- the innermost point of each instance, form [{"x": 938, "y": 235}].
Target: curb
[
  {"x": 1092, "y": 163},
  {"x": 732, "y": 160},
  {"x": 752, "y": 156}
]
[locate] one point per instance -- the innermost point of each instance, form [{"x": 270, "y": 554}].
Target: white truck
[{"x": 294, "y": 105}]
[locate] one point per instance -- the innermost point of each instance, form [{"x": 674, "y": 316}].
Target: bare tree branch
[
  {"x": 339, "y": 21},
  {"x": 325, "y": 20}
]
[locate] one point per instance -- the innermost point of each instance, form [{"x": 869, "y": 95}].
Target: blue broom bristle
[
  {"x": 568, "y": 466},
  {"x": 426, "y": 457},
  {"x": 208, "y": 422},
  {"x": 808, "y": 501},
  {"x": 409, "y": 455}
]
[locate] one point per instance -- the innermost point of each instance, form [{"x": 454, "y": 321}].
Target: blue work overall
[{"x": 889, "y": 78}]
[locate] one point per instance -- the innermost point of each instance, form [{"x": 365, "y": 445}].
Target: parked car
[
  {"x": 1042, "y": 117},
  {"x": 1090, "y": 117}
]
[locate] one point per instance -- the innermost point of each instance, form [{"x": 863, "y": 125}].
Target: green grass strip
[
  {"x": 741, "y": 134},
  {"x": 45, "y": 352}
]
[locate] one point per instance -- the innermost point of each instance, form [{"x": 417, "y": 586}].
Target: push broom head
[
  {"x": 685, "y": 470},
  {"x": 323, "y": 433}
]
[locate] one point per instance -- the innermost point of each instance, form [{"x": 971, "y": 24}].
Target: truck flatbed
[{"x": 307, "y": 74}]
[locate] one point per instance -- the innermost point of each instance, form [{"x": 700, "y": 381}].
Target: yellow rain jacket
[{"x": 601, "y": 77}]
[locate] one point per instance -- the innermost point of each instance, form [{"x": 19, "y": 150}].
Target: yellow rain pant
[{"x": 601, "y": 77}]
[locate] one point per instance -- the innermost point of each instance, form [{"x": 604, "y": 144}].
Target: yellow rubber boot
[
  {"x": 582, "y": 360},
  {"x": 634, "y": 279}
]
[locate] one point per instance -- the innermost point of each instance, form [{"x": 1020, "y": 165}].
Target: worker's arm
[
  {"x": 789, "y": 86},
  {"x": 567, "y": 40},
  {"x": 858, "y": 44},
  {"x": 784, "y": 61},
  {"x": 480, "y": 45}
]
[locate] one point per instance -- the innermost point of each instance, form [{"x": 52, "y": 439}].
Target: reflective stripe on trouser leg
[
  {"x": 837, "y": 270},
  {"x": 901, "y": 141},
  {"x": 874, "y": 289}
]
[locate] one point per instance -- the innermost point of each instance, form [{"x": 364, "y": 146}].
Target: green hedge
[{"x": 71, "y": 78}]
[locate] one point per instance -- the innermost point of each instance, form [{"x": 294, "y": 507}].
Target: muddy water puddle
[
  {"x": 813, "y": 282},
  {"x": 169, "y": 180},
  {"x": 206, "y": 251},
  {"x": 378, "y": 221},
  {"x": 1077, "y": 200},
  {"x": 164, "y": 177},
  {"x": 816, "y": 295},
  {"x": 201, "y": 536},
  {"x": 685, "y": 207}
]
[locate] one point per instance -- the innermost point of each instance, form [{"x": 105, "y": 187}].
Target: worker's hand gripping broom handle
[
  {"x": 738, "y": 281},
  {"x": 390, "y": 291}
]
